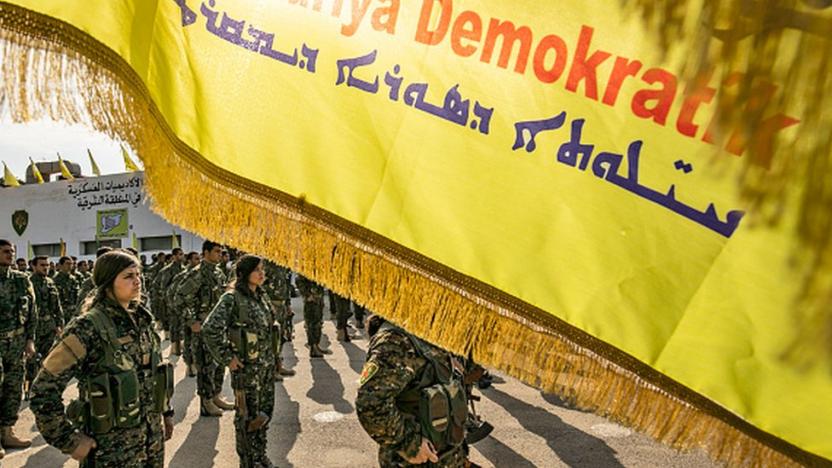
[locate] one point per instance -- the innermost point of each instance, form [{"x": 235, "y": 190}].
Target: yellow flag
[
  {"x": 95, "y": 169},
  {"x": 36, "y": 171},
  {"x": 30, "y": 251},
  {"x": 129, "y": 165},
  {"x": 546, "y": 183},
  {"x": 64, "y": 170},
  {"x": 174, "y": 241},
  {"x": 9, "y": 178},
  {"x": 135, "y": 242},
  {"x": 63, "y": 247}
]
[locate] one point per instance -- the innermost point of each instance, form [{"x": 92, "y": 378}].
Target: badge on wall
[{"x": 20, "y": 219}]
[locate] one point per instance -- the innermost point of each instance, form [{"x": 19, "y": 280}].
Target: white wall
[{"x": 68, "y": 210}]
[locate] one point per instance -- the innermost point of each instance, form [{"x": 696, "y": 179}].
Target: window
[
  {"x": 50, "y": 250},
  {"x": 158, "y": 243},
  {"x": 89, "y": 247}
]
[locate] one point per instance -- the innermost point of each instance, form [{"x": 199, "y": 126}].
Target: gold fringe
[
  {"x": 51, "y": 69},
  {"x": 785, "y": 42}
]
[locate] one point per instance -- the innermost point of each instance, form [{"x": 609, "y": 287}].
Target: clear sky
[{"x": 41, "y": 141}]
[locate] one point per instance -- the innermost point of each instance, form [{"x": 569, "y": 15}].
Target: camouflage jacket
[
  {"x": 277, "y": 282},
  {"x": 79, "y": 354},
  {"x": 86, "y": 288},
  {"x": 175, "y": 282},
  {"x": 393, "y": 367},
  {"x": 256, "y": 328},
  {"x": 161, "y": 283},
  {"x": 310, "y": 290},
  {"x": 68, "y": 289},
  {"x": 47, "y": 298},
  {"x": 199, "y": 292},
  {"x": 17, "y": 303}
]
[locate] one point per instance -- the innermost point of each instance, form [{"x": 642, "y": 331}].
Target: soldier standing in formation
[
  {"x": 122, "y": 416},
  {"x": 181, "y": 334},
  {"x": 18, "y": 323},
  {"x": 341, "y": 310},
  {"x": 87, "y": 286},
  {"x": 401, "y": 375},
  {"x": 313, "y": 314},
  {"x": 240, "y": 333},
  {"x": 279, "y": 290},
  {"x": 50, "y": 315},
  {"x": 68, "y": 287},
  {"x": 160, "y": 283},
  {"x": 197, "y": 295}
]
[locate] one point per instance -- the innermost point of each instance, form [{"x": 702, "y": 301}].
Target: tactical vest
[
  {"x": 243, "y": 332},
  {"x": 110, "y": 396},
  {"x": 437, "y": 399},
  {"x": 13, "y": 313}
]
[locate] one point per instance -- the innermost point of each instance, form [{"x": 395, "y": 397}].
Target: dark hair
[
  {"x": 74, "y": 258},
  {"x": 38, "y": 258},
  {"x": 102, "y": 250},
  {"x": 176, "y": 251},
  {"x": 244, "y": 267},
  {"x": 107, "y": 268},
  {"x": 131, "y": 251},
  {"x": 192, "y": 255},
  {"x": 21, "y": 259},
  {"x": 64, "y": 259},
  {"x": 208, "y": 246},
  {"x": 4, "y": 242}
]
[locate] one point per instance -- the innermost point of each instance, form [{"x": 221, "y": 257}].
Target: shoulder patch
[
  {"x": 367, "y": 373},
  {"x": 64, "y": 355}
]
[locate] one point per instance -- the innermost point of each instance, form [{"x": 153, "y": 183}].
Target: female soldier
[
  {"x": 124, "y": 388},
  {"x": 239, "y": 332}
]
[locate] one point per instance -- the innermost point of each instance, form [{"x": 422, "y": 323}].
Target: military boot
[
  {"x": 9, "y": 440},
  {"x": 284, "y": 371},
  {"x": 192, "y": 370},
  {"x": 344, "y": 335},
  {"x": 176, "y": 348},
  {"x": 315, "y": 352},
  {"x": 208, "y": 408},
  {"x": 222, "y": 404}
]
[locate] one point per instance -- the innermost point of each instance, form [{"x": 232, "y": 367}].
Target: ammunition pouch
[
  {"x": 126, "y": 390},
  {"x": 443, "y": 410},
  {"x": 162, "y": 387},
  {"x": 244, "y": 343}
]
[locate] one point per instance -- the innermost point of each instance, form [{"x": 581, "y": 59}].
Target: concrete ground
[{"x": 315, "y": 424}]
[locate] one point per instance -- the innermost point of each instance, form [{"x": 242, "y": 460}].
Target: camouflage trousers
[
  {"x": 187, "y": 345},
  {"x": 161, "y": 313},
  {"x": 46, "y": 337},
  {"x": 342, "y": 311},
  {"x": 313, "y": 316},
  {"x": 210, "y": 373},
  {"x": 142, "y": 446},
  {"x": 254, "y": 394},
  {"x": 11, "y": 375},
  {"x": 176, "y": 326}
]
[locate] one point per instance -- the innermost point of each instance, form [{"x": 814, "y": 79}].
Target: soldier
[
  {"x": 313, "y": 314},
  {"x": 123, "y": 415},
  {"x": 342, "y": 314},
  {"x": 67, "y": 287},
  {"x": 79, "y": 278},
  {"x": 196, "y": 296},
  {"x": 21, "y": 265},
  {"x": 411, "y": 400},
  {"x": 52, "y": 270},
  {"x": 84, "y": 269},
  {"x": 180, "y": 334},
  {"x": 50, "y": 315},
  {"x": 18, "y": 323},
  {"x": 278, "y": 288},
  {"x": 359, "y": 312},
  {"x": 240, "y": 333},
  {"x": 160, "y": 284}
]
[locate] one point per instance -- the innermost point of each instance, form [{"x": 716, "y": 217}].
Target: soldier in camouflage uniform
[
  {"x": 401, "y": 374},
  {"x": 84, "y": 269},
  {"x": 180, "y": 333},
  {"x": 342, "y": 313},
  {"x": 313, "y": 314},
  {"x": 50, "y": 315},
  {"x": 21, "y": 265},
  {"x": 123, "y": 415},
  {"x": 240, "y": 333},
  {"x": 18, "y": 324},
  {"x": 160, "y": 284},
  {"x": 278, "y": 288},
  {"x": 68, "y": 287},
  {"x": 196, "y": 297}
]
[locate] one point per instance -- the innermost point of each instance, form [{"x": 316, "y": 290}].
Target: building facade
[{"x": 77, "y": 217}]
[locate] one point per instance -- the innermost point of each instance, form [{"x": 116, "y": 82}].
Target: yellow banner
[{"x": 551, "y": 153}]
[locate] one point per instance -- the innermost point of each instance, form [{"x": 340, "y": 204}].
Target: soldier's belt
[{"x": 13, "y": 333}]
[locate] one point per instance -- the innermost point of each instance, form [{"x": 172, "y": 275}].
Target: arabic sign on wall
[
  {"x": 111, "y": 224},
  {"x": 89, "y": 194}
]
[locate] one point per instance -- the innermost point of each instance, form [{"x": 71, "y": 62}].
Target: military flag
[
  {"x": 129, "y": 165},
  {"x": 93, "y": 164},
  {"x": 8, "y": 178},
  {"x": 620, "y": 203},
  {"x": 36, "y": 171},
  {"x": 64, "y": 170}
]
